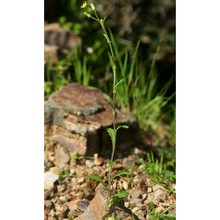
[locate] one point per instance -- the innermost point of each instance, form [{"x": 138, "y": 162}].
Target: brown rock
[
  {"x": 98, "y": 160},
  {"x": 77, "y": 117},
  {"x": 57, "y": 38},
  {"x": 72, "y": 205},
  {"x": 98, "y": 207}
]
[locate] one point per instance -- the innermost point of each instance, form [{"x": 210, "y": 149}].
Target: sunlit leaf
[
  {"x": 122, "y": 126},
  {"x": 111, "y": 134},
  {"x": 119, "y": 196},
  {"x": 96, "y": 178},
  {"x": 122, "y": 173}
]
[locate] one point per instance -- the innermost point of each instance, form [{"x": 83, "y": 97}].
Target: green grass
[
  {"x": 154, "y": 215},
  {"x": 160, "y": 172}
]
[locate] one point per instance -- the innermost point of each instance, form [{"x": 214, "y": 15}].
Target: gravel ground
[{"x": 68, "y": 190}]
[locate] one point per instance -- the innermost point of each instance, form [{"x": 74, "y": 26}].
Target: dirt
[{"x": 71, "y": 194}]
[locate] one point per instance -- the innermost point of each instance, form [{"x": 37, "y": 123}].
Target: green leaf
[
  {"x": 96, "y": 178},
  {"x": 111, "y": 61},
  {"x": 122, "y": 173},
  {"x": 75, "y": 156},
  {"x": 67, "y": 172},
  {"x": 119, "y": 196},
  {"x": 111, "y": 134},
  {"x": 122, "y": 126},
  {"x": 111, "y": 163},
  {"x": 118, "y": 83}
]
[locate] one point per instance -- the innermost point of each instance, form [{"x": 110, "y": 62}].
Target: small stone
[
  {"x": 159, "y": 209},
  {"x": 45, "y": 216},
  {"x": 55, "y": 170},
  {"x": 159, "y": 194},
  {"x": 144, "y": 196},
  {"x": 49, "y": 179},
  {"x": 98, "y": 161},
  {"x": 89, "y": 163},
  {"x": 46, "y": 194},
  {"x": 81, "y": 180},
  {"x": 125, "y": 185},
  {"x": 72, "y": 205},
  {"x": 149, "y": 190},
  {"x": 129, "y": 161},
  {"x": 72, "y": 171},
  {"x": 82, "y": 205},
  {"x": 61, "y": 188},
  {"x": 47, "y": 203},
  {"x": 98, "y": 207},
  {"x": 157, "y": 186},
  {"x": 63, "y": 198},
  {"x": 135, "y": 209},
  {"x": 127, "y": 204},
  {"x": 136, "y": 193},
  {"x": 61, "y": 157},
  {"x": 52, "y": 213},
  {"x": 137, "y": 151},
  {"x": 51, "y": 156},
  {"x": 117, "y": 167}
]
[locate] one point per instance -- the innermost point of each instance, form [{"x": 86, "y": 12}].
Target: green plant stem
[
  {"x": 101, "y": 21},
  {"x": 113, "y": 65}
]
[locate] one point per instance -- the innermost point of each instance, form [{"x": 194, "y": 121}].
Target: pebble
[
  {"x": 89, "y": 163},
  {"x": 49, "y": 179},
  {"x": 82, "y": 205},
  {"x": 160, "y": 209},
  {"x": 81, "y": 180},
  {"x": 61, "y": 188},
  {"x": 149, "y": 190},
  {"x": 55, "y": 170},
  {"x": 47, "y": 203},
  {"x": 98, "y": 160},
  {"x": 135, "y": 209},
  {"x": 159, "y": 195},
  {"x": 72, "y": 205},
  {"x": 63, "y": 198},
  {"x": 46, "y": 194},
  {"x": 61, "y": 157},
  {"x": 125, "y": 185},
  {"x": 157, "y": 186},
  {"x": 51, "y": 156}
]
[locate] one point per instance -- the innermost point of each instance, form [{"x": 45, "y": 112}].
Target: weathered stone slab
[
  {"x": 77, "y": 117},
  {"x": 98, "y": 207}
]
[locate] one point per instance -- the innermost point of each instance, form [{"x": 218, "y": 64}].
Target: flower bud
[
  {"x": 87, "y": 14},
  {"x": 92, "y": 6}
]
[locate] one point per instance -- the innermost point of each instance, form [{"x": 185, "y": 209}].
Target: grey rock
[
  {"x": 61, "y": 157},
  {"x": 49, "y": 179}
]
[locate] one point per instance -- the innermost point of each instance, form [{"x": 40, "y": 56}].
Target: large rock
[
  {"x": 98, "y": 207},
  {"x": 57, "y": 38},
  {"x": 76, "y": 117}
]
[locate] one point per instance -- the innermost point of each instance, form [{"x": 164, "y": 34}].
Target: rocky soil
[
  {"x": 77, "y": 145},
  {"x": 69, "y": 192}
]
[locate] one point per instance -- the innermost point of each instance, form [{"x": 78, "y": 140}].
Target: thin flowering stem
[{"x": 113, "y": 65}]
